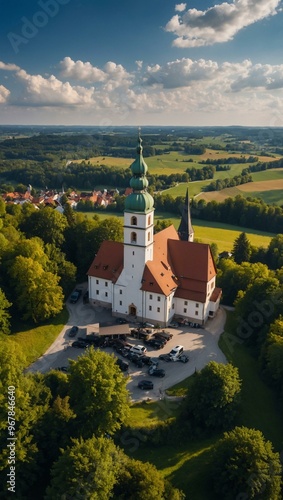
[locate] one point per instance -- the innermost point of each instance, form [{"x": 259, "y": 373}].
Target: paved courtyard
[{"x": 201, "y": 345}]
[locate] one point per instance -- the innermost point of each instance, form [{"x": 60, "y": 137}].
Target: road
[{"x": 201, "y": 345}]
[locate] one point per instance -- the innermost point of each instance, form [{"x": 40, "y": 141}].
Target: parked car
[
  {"x": 86, "y": 297},
  {"x": 160, "y": 338},
  {"x": 156, "y": 372},
  {"x": 176, "y": 352},
  {"x": 155, "y": 343},
  {"x": 173, "y": 324},
  {"x": 80, "y": 344},
  {"x": 122, "y": 364},
  {"x": 73, "y": 332},
  {"x": 145, "y": 384},
  {"x": 75, "y": 295},
  {"x": 147, "y": 325},
  {"x": 121, "y": 321},
  {"x": 183, "y": 358},
  {"x": 165, "y": 357},
  {"x": 138, "y": 349},
  {"x": 166, "y": 335}
]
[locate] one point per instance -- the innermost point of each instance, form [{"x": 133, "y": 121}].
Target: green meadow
[{"x": 210, "y": 232}]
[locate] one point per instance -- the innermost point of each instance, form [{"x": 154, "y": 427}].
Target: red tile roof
[
  {"x": 181, "y": 266},
  {"x": 216, "y": 294},
  {"x": 108, "y": 262}
]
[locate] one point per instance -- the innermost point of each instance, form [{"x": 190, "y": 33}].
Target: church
[{"x": 154, "y": 277}]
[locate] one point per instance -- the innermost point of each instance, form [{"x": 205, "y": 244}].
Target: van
[
  {"x": 176, "y": 352},
  {"x": 138, "y": 349}
]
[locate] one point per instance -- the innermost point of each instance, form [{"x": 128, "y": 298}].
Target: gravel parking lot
[{"x": 201, "y": 346}]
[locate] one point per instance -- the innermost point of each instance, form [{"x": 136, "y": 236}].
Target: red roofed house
[{"x": 152, "y": 277}]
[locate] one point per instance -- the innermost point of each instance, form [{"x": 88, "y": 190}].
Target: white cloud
[
  {"x": 52, "y": 92},
  {"x": 8, "y": 67},
  {"x": 112, "y": 73},
  {"x": 220, "y": 23},
  {"x": 180, "y": 73},
  {"x": 4, "y": 94},
  {"x": 180, "y": 7},
  {"x": 139, "y": 64}
]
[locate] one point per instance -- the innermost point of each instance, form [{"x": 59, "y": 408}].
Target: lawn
[{"x": 35, "y": 340}]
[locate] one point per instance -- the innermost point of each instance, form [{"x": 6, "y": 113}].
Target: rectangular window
[
  {"x": 186, "y": 303},
  {"x": 133, "y": 253},
  {"x": 133, "y": 265},
  {"x": 120, "y": 302},
  {"x": 106, "y": 283},
  {"x": 185, "y": 310},
  {"x": 197, "y": 305},
  {"x": 173, "y": 306},
  {"x": 158, "y": 309},
  {"x": 150, "y": 308},
  {"x": 150, "y": 297},
  {"x": 120, "y": 292},
  {"x": 196, "y": 313},
  {"x": 106, "y": 294},
  {"x": 97, "y": 292},
  {"x": 158, "y": 299},
  {"x": 97, "y": 282}
]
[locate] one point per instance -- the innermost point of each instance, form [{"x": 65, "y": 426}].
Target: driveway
[{"x": 201, "y": 345}]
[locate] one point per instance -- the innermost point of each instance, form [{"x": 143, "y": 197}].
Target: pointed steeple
[
  {"x": 140, "y": 200},
  {"x": 185, "y": 230}
]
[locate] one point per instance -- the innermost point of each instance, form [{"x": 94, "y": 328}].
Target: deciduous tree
[{"x": 245, "y": 466}]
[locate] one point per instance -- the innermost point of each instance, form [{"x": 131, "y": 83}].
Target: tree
[
  {"x": 213, "y": 398},
  {"x": 46, "y": 223},
  {"x": 241, "y": 249},
  {"x": 38, "y": 295},
  {"x": 257, "y": 308},
  {"x": 86, "y": 469},
  {"x": 245, "y": 466},
  {"x": 4, "y": 315},
  {"x": 142, "y": 481},
  {"x": 98, "y": 393}
]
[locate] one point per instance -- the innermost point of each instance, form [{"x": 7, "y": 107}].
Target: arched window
[
  {"x": 133, "y": 237},
  {"x": 134, "y": 221},
  {"x": 148, "y": 236},
  {"x": 149, "y": 220}
]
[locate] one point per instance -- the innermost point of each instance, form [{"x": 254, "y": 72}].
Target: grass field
[
  {"x": 35, "y": 340},
  {"x": 211, "y": 232}
]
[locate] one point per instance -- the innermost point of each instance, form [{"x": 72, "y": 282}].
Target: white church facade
[{"x": 154, "y": 277}]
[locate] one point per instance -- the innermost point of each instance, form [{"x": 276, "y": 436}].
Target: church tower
[
  {"x": 138, "y": 239},
  {"x": 185, "y": 230}
]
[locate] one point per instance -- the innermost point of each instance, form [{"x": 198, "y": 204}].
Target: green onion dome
[
  {"x": 139, "y": 202},
  {"x": 138, "y": 183}
]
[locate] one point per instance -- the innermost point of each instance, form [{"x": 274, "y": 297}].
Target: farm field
[
  {"x": 211, "y": 232},
  {"x": 270, "y": 191}
]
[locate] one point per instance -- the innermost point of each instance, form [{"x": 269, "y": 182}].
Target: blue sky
[{"x": 153, "y": 62}]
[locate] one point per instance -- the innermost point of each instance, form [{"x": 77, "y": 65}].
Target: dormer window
[{"x": 134, "y": 221}]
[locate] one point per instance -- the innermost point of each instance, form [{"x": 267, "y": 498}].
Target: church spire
[{"x": 185, "y": 230}]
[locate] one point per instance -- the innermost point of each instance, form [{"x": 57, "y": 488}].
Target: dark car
[
  {"x": 75, "y": 295},
  {"x": 154, "y": 343},
  {"x": 73, "y": 332},
  {"x": 145, "y": 384},
  {"x": 156, "y": 372},
  {"x": 164, "y": 357},
  {"x": 122, "y": 364},
  {"x": 183, "y": 358},
  {"x": 80, "y": 344},
  {"x": 166, "y": 335},
  {"x": 160, "y": 338}
]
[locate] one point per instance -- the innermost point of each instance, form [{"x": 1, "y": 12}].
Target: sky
[{"x": 147, "y": 62}]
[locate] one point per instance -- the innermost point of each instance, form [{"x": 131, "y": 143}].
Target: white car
[
  {"x": 138, "y": 349},
  {"x": 176, "y": 352}
]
